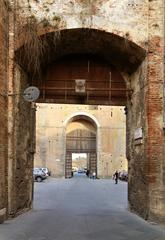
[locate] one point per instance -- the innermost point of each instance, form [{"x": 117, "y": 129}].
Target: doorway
[
  {"x": 80, "y": 164},
  {"x": 80, "y": 140}
]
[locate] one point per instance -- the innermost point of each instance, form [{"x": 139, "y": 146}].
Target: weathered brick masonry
[
  {"x": 147, "y": 159},
  {"x": 3, "y": 106},
  {"x": 155, "y": 142},
  {"x": 142, "y": 23}
]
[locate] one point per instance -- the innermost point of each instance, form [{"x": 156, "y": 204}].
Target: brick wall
[
  {"x": 146, "y": 156},
  {"x": 155, "y": 141},
  {"x": 3, "y": 104}
]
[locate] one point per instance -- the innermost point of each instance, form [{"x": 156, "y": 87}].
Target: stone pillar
[
  {"x": 11, "y": 147},
  {"x": 145, "y": 116},
  {"x": 155, "y": 140},
  {"x": 3, "y": 107},
  {"x": 136, "y": 143},
  {"x": 21, "y": 148},
  {"x": 21, "y": 125}
]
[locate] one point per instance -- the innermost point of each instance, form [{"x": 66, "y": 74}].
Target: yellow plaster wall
[{"x": 51, "y": 129}]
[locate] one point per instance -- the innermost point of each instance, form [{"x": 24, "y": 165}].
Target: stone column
[
  {"x": 155, "y": 140},
  {"x": 3, "y": 107},
  {"x": 11, "y": 109},
  {"x": 136, "y": 143},
  {"x": 21, "y": 127}
]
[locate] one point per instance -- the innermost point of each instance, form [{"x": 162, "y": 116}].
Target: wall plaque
[
  {"x": 138, "y": 133},
  {"x": 80, "y": 86}
]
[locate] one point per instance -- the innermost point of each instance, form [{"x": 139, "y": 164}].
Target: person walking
[
  {"x": 116, "y": 177},
  {"x": 87, "y": 173},
  {"x": 94, "y": 175}
]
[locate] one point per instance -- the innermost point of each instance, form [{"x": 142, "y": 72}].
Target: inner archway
[{"x": 81, "y": 137}]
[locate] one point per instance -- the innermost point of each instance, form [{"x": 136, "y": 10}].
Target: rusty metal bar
[
  {"x": 88, "y": 89},
  {"x": 72, "y": 80}
]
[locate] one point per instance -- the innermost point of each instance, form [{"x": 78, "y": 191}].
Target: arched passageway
[
  {"x": 81, "y": 138},
  {"x": 87, "y": 66},
  {"x": 124, "y": 54},
  {"x": 90, "y": 66}
]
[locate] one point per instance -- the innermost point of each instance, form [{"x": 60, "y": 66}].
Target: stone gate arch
[
  {"x": 144, "y": 107},
  {"x": 111, "y": 55},
  {"x": 91, "y": 147}
]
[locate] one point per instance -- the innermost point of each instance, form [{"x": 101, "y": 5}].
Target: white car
[
  {"x": 45, "y": 170},
  {"x": 39, "y": 175}
]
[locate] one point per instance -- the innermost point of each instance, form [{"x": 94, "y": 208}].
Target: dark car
[{"x": 39, "y": 175}]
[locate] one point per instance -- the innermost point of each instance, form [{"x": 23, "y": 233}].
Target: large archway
[
  {"x": 124, "y": 54},
  {"x": 78, "y": 71},
  {"x": 81, "y": 137},
  {"x": 125, "y": 82}
]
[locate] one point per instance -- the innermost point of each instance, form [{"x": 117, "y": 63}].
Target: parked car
[
  {"x": 123, "y": 175},
  {"x": 74, "y": 169},
  {"x": 45, "y": 169},
  {"x": 39, "y": 175}
]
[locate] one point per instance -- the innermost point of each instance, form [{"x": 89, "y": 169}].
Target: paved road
[{"x": 80, "y": 209}]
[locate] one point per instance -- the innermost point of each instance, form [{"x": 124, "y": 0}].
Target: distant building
[{"x": 56, "y": 124}]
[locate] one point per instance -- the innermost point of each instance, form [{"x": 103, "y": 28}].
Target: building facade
[{"x": 56, "y": 121}]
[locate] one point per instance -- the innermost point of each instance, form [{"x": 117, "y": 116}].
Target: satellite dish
[{"x": 31, "y": 94}]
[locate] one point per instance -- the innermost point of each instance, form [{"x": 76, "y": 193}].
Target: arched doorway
[
  {"x": 81, "y": 137},
  {"x": 124, "y": 60},
  {"x": 81, "y": 72}
]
